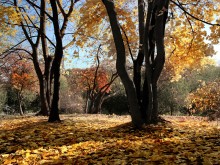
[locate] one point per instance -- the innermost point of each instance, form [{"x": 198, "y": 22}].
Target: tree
[
  {"x": 186, "y": 40},
  {"x": 98, "y": 85},
  {"x": 95, "y": 82},
  {"x": 22, "y": 78},
  {"x": 141, "y": 106},
  {"x": 36, "y": 19},
  {"x": 144, "y": 104}
]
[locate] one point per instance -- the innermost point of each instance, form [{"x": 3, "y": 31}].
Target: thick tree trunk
[
  {"x": 54, "y": 111},
  {"x": 137, "y": 64},
  {"x": 43, "y": 99},
  {"x": 151, "y": 38},
  {"x": 55, "y": 69},
  {"x": 44, "y": 79},
  {"x": 147, "y": 86},
  {"x": 97, "y": 103},
  {"x": 121, "y": 65},
  {"x": 155, "y": 103},
  {"x": 44, "y": 104},
  {"x": 154, "y": 39},
  {"x": 160, "y": 15},
  {"x": 147, "y": 94}
]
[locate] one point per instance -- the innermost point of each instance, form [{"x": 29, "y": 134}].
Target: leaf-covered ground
[{"x": 101, "y": 139}]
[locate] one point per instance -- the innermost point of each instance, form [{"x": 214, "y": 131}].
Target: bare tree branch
[{"x": 129, "y": 48}]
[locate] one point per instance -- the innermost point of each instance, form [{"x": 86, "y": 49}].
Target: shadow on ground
[{"x": 102, "y": 142}]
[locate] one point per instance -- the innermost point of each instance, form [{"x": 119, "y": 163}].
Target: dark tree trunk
[
  {"x": 56, "y": 64},
  {"x": 41, "y": 38},
  {"x": 97, "y": 104},
  {"x": 42, "y": 84},
  {"x": 160, "y": 15},
  {"x": 121, "y": 65},
  {"x": 44, "y": 104},
  {"x": 54, "y": 112},
  {"x": 151, "y": 38},
  {"x": 137, "y": 64},
  {"x": 55, "y": 69},
  {"x": 48, "y": 79}
]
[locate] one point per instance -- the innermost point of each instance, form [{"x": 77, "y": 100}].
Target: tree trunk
[
  {"x": 160, "y": 15},
  {"x": 121, "y": 65},
  {"x": 19, "y": 97},
  {"x": 137, "y": 64},
  {"x": 54, "y": 111},
  {"x": 171, "y": 109},
  {"x": 147, "y": 87},
  {"x": 55, "y": 69},
  {"x": 151, "y": 38},
  {"x": 97, "y": 103},
  {"x": 42, "y": 84},
  {"x": 44, "y": 104},
  {"x": 87, "y": 102}
]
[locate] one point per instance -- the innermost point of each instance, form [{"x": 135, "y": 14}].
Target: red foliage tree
[
  {"x": 22, "y": 78},
  {"x": 95, "y": 82}
]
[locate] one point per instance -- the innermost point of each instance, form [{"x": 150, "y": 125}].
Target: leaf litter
[{"x": 107, "y": 139}]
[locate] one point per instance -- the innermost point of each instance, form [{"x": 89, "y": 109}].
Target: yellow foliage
[
  {"x": 206, "y": 98},
  {"x": 188, "y": 41}
]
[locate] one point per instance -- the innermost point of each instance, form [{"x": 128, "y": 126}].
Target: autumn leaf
[{"x": 100, "y": 139}]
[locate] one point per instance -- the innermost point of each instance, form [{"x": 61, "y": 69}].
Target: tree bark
[
  {"x": 160, "y": 15},
  {"x": 97, "y": 103},
  {"x": 55, "y": 69},
  {"x": 151, "y": 38},
  {"x": 43, "y": 88},
  {"x": 137, "y": 64},
  {"x": 121, "y": 65},
  {"x": 19, "y": 97},
  {"x": 44, "y": 104},
  {"x": 147, "y": 87},
  {"x": 87, "y": 102}
]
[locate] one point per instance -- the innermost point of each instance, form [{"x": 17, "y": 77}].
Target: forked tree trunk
[
  {"x": 97, "y": 103},
  {"x": 143, "y": 105},
  {"x": 55, "y": 69},
  {"x": 134, "y": 107}
]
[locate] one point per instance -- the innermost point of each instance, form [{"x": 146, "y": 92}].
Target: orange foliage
[
  {"x": 89, "y": 80},
  {"x": 22, "y": 76}
]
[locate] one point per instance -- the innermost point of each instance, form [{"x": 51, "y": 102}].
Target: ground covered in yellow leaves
[{"x": 102, "y": 139}]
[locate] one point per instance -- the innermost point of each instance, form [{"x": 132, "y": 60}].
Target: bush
[
  {"x": 117, "y": 104},
  {"x": 30, "y": 101}
]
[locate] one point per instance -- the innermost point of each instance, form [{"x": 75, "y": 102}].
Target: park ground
[{"x": 108, "y": 139}]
